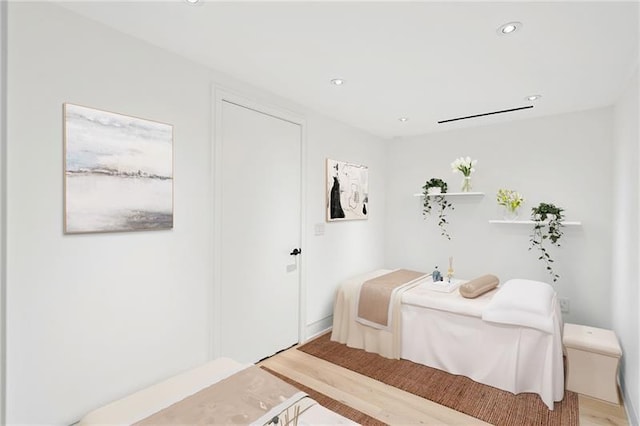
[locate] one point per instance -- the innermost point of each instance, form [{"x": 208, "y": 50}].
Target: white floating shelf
[
  {"x": 449, "y": 194},
  {"x": 531, "y": 222}
]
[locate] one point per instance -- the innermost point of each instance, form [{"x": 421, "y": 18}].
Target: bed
[
  {"x": 222, "y": 391},
  {"x": 462, "y": 336}
]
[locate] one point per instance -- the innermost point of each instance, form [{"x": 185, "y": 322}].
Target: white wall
[
  {"x": 93, "y": 317},
  {"x": 625, "y": 254},
  {"x": 346, "y": 248},
  {"x": 564, "y": 159},
  {"x": 3, "y": 197}
]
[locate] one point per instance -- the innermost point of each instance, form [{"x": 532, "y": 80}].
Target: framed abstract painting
[
  {"x": 347, "y": 191},
  {"x": 118, "y": 172}
]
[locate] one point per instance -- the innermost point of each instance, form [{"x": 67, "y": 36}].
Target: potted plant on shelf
[
  {"x": 511, "y": 201},
  {"x": 436, "y": 188},
  {"x": 549, "y": 217}
]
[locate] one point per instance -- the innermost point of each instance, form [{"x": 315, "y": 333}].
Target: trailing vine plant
[
  {"x": 546, "y": 217},
  {"x": 440, "y": 200}
]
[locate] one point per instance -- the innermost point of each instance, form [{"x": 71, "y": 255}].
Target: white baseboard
[
  {"x": 629, "y": 407},
  {"x": 317, "y": 328}
]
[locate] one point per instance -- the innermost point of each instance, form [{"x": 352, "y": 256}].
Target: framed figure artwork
[
  {"x": 347, "y": 191},
  {"x": 118, "y": 172}
]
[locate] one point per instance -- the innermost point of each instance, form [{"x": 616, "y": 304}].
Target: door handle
[{"x": 296, "y": 251}]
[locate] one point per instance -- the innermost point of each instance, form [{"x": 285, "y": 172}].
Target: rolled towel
[{"x": 479, "y": 286}]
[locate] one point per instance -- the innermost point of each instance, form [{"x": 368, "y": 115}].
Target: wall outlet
[{"x": 564, "y": 305}]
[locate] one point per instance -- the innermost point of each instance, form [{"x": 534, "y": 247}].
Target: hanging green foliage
[
  {"x": 547, "y": 227},
  {"x": 438, "y": 199}
]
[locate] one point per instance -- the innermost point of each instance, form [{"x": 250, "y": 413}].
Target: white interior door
[{"x": 260, "y": 226}]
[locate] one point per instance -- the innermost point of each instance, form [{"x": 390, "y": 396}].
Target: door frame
[{"x": 220, "y": 94}]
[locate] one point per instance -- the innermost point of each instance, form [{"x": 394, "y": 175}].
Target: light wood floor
[{"x": 395, "y": 406}]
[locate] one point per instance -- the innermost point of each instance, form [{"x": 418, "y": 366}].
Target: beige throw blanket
[
  {"x": 375, "y": 302},
  {"x": 251, "y": 396},
  {"x": 348, "y": 330}
]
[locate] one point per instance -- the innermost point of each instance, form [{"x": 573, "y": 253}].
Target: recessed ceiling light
[
  {"x": 533, "y": 97},
  {"x": 337, "y": 82},
  {"x": 403, "y": 119},
  {"x": 509, "y": 28},
  {"x": 192, "y": 1}
]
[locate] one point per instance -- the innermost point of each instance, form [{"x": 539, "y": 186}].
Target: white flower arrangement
[
  {"x": 510, "y": 199},
  {"x": 464, "y": 165}
]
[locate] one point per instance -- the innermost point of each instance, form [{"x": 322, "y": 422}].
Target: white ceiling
[{"x": 428, "y": 61}]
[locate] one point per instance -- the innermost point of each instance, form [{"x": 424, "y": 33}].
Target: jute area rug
[{"x": 460, "y": 393}]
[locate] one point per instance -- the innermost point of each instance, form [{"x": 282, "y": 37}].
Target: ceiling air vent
[{"x": 486, "y": 113}]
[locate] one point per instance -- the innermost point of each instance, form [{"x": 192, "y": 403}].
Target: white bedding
[
  {"x": 509, "y": 357},
  {"x": 423, "y": 296},
  {"x": 349, "y": 331},
  {"x": 447, "y": 331},
  {"x": 142, "y": 404}
]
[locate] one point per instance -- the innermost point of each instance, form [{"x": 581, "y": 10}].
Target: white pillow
[{"x": 523, "y": 302}]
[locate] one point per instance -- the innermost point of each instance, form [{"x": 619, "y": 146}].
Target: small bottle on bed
[{"x": 436, "y": 275}]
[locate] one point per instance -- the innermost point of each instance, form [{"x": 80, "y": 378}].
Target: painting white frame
[
  {"x": 118, "y": 172},
  {"x": 347, "y": 191}
]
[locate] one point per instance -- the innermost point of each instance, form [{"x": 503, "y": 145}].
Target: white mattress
[{"x": 142, "y": 404}]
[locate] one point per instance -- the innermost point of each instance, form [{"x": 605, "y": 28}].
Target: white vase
[
  {"x": 434, "y": 190},
  {"x": 510, "y": 214},
  {"x": 466, "y": 184}
]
